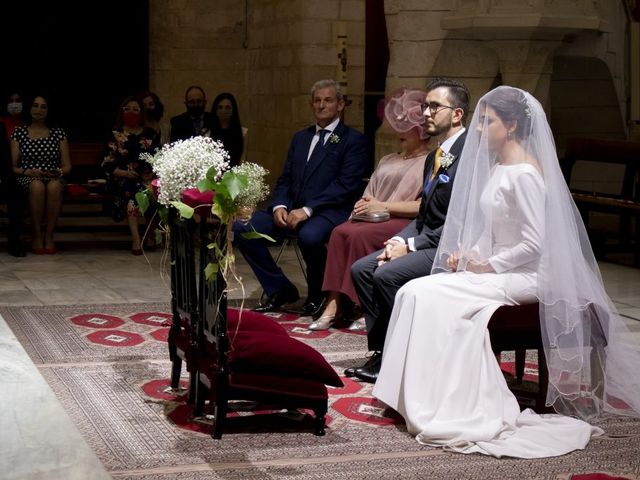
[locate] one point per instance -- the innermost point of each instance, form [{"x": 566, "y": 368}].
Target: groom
[
  {"x": 410, "y": 253},
  {"x": 321, "y": 181}
]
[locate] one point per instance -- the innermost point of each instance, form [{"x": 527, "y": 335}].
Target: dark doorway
[
  {"x": 375, "y": 76},
  {"x": 87, "y": 56}
]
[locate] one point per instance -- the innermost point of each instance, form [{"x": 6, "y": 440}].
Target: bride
[{"x": 513, "y": 235}]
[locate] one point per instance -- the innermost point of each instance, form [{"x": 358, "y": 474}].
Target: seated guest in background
[
  {"x": 40, "y": 159},
  {"x": 195, "y": 121},
  {"x": 319, "y": 185},
  {"x": 12, "y": 195},
  {"x": 226, "y": 127},
  {"x": 409, "y": 254},
  {"x": 395, "y": 188},
  {"x": 126, "y": 173},
  {"x": 153, "y": 114},
  {"x": 13, "y": 117}
]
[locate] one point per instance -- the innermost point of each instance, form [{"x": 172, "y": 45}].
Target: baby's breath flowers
[
  {"x": 182, "y": 164},
  {"x": 256, "y": 190}
]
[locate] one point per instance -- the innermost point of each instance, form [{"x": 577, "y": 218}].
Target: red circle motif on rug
[
  {"x": 157, "y": 319},
  {"x": 161, "y": 335},
  {"x": 367, "y": 410},
  {"x": 530, "y": 370},
  {"x": 115, "y": 338},
  {"x": 350, "y": 387},
  {"x": 162, "y": 390},
  {"x": 300, "y": 330},
  {"x": 97, "y": 320}
]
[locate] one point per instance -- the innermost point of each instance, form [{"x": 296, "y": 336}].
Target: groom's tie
[
  {"x": 436, "y": 162},
  {"x": 322, "y": 132}
]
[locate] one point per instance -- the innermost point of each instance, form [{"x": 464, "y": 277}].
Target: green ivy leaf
[
  {"x": 211, "y": 270},
  {"x": 255, "y": 235},
  {"x": 158, "y": 236},
  {"x": 212, "y": 173},
  {"x": 206, "y": 185},
  {"x": 143, "y": 201},
  {"x": 185, "y": 210},
  {"x": 234, "y": 183}
]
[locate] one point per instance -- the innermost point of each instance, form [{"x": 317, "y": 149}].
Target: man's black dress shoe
[
  {"x": 312, "y": 306},
  {"x": 375, "y": 358},
  {"x": 369, "y": 372},
  {"x": 275, "y": 301}
]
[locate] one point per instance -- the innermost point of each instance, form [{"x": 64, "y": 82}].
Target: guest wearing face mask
[
  {"x": 195, "y": 121},
  {"x": 153, "y": 115},
  {"x": 227, "y": 128},
  {"x": 13, "y": 118},
  {"x": 126, "y": 173},
  {"x": 40, "y": 160}
]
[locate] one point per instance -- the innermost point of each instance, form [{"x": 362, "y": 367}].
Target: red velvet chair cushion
[
  {"x": 253, "y": 322},
  {"x": 278, "y": 385},
  {"x": 263, "y": 353}
]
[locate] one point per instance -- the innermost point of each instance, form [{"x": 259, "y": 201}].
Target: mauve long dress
[{"x": 394, "y": 180}]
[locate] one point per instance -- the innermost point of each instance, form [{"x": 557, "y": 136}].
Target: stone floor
[{"x": 109, "y": 274}]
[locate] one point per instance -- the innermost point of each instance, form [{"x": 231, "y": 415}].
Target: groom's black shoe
[
  {"x": 369, "y": 371},
  {"x": 312, "y": 306},
  {"x": 274, "y": 302}
]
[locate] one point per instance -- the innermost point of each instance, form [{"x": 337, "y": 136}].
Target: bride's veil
[{"x": 593, "y": 361}]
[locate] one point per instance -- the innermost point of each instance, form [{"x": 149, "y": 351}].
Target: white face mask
[{"x": 14, "y": 108}]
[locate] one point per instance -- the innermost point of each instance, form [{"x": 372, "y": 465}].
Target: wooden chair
[
  {"x": 517, "y": 328},
  {"x": 183, "y": 340},
  {"x": 625, "y": 202}
]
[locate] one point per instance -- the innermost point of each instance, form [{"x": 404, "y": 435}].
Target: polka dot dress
[{"x": 42, "y": 153}]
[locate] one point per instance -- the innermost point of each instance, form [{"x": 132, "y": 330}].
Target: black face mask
[{"x": 196, "y": 110}]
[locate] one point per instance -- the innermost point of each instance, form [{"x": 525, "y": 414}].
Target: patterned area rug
[{"x": 109, "y": 367}]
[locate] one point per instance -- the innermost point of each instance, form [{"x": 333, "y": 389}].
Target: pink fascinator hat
[{"x": 403, "y": 110}]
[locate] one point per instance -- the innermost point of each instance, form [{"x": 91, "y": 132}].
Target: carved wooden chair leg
[
  {"x": 220, "y": 415},
  {"x": 521, "y": 355},
  {"x": 320, "y": 421},
  {"x": 200, "y": 398},
  {"x": 543, "y": 382},
  {"x": 193, "y": 386}
]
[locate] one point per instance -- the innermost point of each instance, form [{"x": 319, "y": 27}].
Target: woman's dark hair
[
  {"x": 230, "y": 137},
  {"x": 119, "y": 122},
  {"x": 511, "y": 106},
  {"x": 50, "y": 121},
  {"x": 157, "y": 113}
]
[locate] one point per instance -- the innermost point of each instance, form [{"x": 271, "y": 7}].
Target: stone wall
[{"x": 268, "y": 56}]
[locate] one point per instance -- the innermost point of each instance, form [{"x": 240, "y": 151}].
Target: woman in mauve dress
[{"x": 394, "y": 188}]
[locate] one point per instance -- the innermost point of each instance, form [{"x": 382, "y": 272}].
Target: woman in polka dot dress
[{"x": 40, "y": 159}]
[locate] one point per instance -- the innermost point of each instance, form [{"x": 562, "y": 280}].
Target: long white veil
[{"x": 594, "y": 364}]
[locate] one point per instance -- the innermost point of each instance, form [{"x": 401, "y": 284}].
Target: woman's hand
[
  {"x": 452, "y": 262},
  {"x": 369, "y": 204}
]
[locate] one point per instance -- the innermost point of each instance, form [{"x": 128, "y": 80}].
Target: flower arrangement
[
  {"x": 202, "y": 163},
  {"x": 334, "y": 138},
  {"x": 185, "y": 163}
]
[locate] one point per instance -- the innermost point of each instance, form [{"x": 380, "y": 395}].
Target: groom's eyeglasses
[{"x": 434, "y": 108}]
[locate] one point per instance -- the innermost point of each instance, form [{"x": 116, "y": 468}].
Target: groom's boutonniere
[
  {"x": 333, "y": 138},
  {"x": 446, "y": 160}
]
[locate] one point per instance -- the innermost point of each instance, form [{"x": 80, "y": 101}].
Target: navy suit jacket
[
  {"x": 427, "y": 227},
  {"x": 182, "y": 126},
  {"x": 331, "y": 182}
]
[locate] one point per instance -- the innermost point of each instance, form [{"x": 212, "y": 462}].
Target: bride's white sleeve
[{"x": 529, "y": 196}]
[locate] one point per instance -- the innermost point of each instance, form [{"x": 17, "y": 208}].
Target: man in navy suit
[
  {"x": 410, "y": 253},
  {"x": 321, "y": 181},
  {"x": 195, "y": 121}
]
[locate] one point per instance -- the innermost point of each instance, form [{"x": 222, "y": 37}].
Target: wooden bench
[{"x": 622, "y": 200}]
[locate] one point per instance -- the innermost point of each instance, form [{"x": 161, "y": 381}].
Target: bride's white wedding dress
[{"x": 438, "y": 369}]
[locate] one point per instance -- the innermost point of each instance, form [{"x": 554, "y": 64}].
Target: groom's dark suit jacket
[
  {"x": 331, "y": 181},
  {"x": 427, "y": 227}
]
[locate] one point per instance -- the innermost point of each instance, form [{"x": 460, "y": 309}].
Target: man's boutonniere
[
  {"x": 333, "y": 138},
  {"x": 446, "y": 160}
]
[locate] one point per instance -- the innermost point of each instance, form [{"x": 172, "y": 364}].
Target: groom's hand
[
  {"x": 392, "y": 249},
  {"x": 295, "y": 217}
]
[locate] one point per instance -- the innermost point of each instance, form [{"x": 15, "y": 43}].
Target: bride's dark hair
[{"x": 511, "y": 106}]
